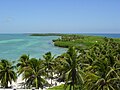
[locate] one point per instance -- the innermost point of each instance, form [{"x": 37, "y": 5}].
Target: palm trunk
[
  {"x": 6, "y": 85},
  {"x": 36, "y": 83}
]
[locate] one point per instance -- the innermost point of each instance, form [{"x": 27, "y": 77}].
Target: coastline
[
  {"x": 19, "y": 80},
  {"x": 19, "y": 84}
]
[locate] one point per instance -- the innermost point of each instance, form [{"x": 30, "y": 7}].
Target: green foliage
[
  {"x": 32, "y": 71},
  {"x": 65, "y": 44},
  {"x": 60, "y": 87},
  {"x": 48, "y": 63},
  {"x": 79, "y": 41},
  {"x": 47, "y": 34},
  {"x": 103, "y": 73},
  {"x": 7, "y": 73}
]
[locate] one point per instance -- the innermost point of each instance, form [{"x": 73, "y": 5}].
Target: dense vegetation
[
  {"x": 94, "y": 68},
  {"x": 79, "y": 41},
  {"x": 47, "y": 34},
  {"x": 76, "y": 40}
]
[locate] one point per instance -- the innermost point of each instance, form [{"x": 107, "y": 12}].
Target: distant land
[{"x": 78, "y": 40}]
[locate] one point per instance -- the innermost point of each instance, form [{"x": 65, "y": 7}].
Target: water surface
[{"x": 12, "y": 46}]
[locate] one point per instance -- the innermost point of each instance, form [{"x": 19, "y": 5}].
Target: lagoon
[{"x": 12, "y": 46}]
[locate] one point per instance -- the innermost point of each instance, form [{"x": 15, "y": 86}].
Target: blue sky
[{"x": 66, "y": 16}]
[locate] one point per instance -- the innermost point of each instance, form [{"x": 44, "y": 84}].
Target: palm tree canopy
[{"x": 7, "y": 73}]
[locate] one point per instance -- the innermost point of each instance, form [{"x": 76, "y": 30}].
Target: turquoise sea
[{"x": 12, "y": 46}]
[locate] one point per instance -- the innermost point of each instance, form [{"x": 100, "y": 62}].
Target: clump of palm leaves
[
  {"x": 103, "y": 71},
  {"x": 7, "y": 73}
]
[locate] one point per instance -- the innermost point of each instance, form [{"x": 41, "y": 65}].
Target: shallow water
[{"x": 12, "y": 46}]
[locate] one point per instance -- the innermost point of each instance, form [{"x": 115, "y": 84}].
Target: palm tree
[
  {"x": 72, "y": 70},
  {"x": 49, "y": 64},
  {"x": 7, "y": 73},
  {"x": 22, "y": 64},
  {"x": 59, "y": 68},
  {"x": 34, "y": 72}
]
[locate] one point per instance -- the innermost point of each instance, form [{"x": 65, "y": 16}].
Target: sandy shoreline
[{"x": 19, "y": 84}]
